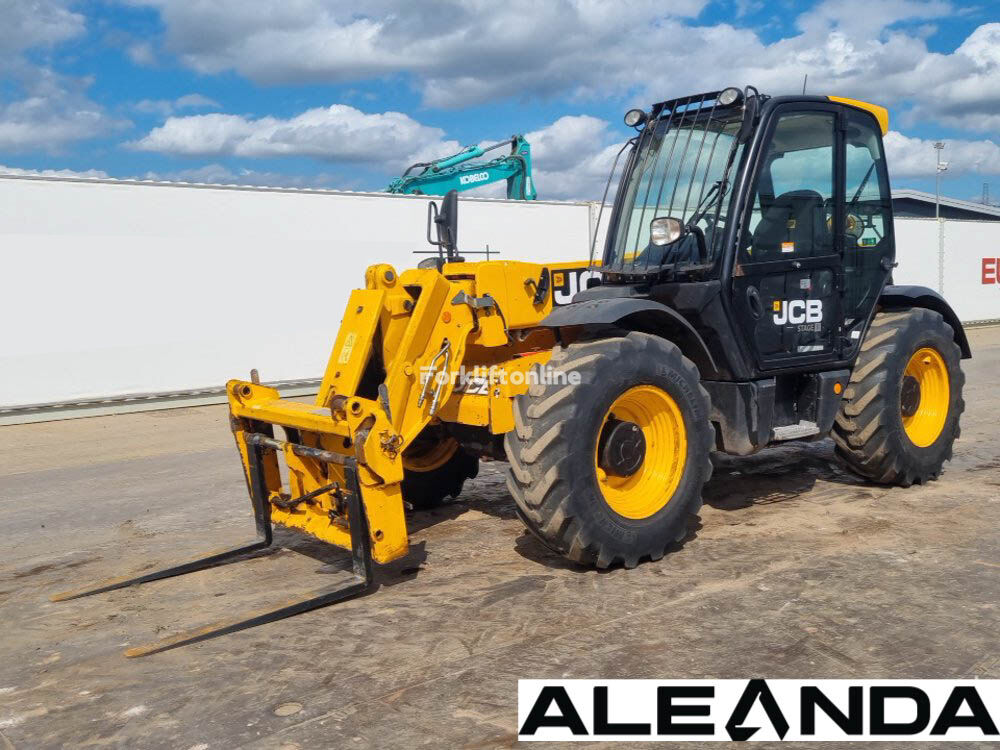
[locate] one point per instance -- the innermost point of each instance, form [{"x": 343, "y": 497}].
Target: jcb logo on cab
[
  {"x": 566, "y": 283},
  {"x": 798, "y": 311}
]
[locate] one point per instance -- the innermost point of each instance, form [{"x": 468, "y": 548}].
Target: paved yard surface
[{"x": 795, "y": 569}]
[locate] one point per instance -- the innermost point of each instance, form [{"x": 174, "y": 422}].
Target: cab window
[
  {"x": 791, "y": 205},
  {"x": 868, "y": 217}
]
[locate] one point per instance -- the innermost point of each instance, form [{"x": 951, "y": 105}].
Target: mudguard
[
  {"x": 900, "y": 296},
  {"x": 637, "y": 314}
]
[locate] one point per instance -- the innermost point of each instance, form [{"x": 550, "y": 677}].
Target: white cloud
[
  {"x": 53, "y": 111},
  {"x": 916, "y": 157},
  {"x": 195, "y": 101},
  {"x": 209, "y": 174},
  {"x": 336, "y": 133},
  {"x": 41, "y": 109},
  {"x": 854, "y": 48},
  {"x": 92, "y": 173},
  {"x": 166, "y": 107},
  {"x": 162, "y": 107},
  {"x": 572, "y": 157},
  {"x": 461, "y": 53},
  {"x": 42, "y": 23},
  {"x": 141, "y": 53},
  {"x": 965, "y": 90},
  {"x": 218, "y": 174}
]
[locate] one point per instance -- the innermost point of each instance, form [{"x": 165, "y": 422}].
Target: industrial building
[{"x": 916, "y": 204}]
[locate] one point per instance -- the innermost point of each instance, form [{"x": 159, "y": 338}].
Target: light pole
[{"x": 940, "y": 167}]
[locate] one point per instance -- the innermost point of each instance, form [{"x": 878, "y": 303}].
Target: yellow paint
[
  {"x": 353, "y": 345},
  {"x": 409, "y": 316},
  {"x": 466, "y": 408},
  {"x": 928, "y": 367},
  {"x": 881, "y": 113},
  {"x": 492, "y": 332},
  {"x": 266, "y": 405},
  {"x": 347, "y": 348},
  {"x": 649, "y": 490},
  {"x": 432, "y": 458}
]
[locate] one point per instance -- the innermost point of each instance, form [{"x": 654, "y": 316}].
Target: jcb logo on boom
[{"x": 798, "y": 311}]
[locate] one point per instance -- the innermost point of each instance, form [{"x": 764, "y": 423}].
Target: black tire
[
  {"x": 428, "y": 489},
  {"x": 868, "y": 431},
  {"x": 552, "y": 474}
]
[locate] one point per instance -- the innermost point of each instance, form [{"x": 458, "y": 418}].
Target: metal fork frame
[{"x": 361, "y": 554}]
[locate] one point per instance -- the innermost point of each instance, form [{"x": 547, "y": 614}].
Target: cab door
[
  {"x": 869, "y": 245},
  {"x": 787, "y": 275}
]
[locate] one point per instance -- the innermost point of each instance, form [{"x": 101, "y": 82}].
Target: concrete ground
[{"x": 796, "y": 569}]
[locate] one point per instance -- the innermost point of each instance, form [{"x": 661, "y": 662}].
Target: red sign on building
[{"x": 990, "y": 270}]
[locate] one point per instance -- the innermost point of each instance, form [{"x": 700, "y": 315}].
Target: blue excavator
[{"x": 455, "y": 172}]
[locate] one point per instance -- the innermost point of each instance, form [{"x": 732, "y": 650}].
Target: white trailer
[
  {"x": 960, "y": 259},
  {"x": 126, "y": 295}
]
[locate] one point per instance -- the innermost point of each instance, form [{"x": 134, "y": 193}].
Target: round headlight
[
  {"x": 664, "y": 230},
  {"x": 635, "y": 117},
  {"x": 729, "y": 96}
]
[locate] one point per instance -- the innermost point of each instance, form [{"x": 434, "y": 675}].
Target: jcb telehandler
[{"x": 744, "y": 297}]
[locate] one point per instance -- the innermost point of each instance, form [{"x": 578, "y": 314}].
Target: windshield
[{"x": 682, "y": 170}]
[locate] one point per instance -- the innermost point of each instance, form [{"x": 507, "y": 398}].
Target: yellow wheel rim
[
  {"x": 924, "y": 424},
  {"x": 433, "y": 457},
  {"x": 650, "y": 488}
]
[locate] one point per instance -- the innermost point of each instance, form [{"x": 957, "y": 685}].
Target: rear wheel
[
  {"x": 611, "y": 468},
  {"x": 900, "y": 413},
  {"x": 435, "y": 467}
]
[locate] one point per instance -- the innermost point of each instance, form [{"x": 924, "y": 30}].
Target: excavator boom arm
[{"x": 459, "y": 172}]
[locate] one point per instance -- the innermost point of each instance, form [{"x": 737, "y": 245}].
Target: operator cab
[
  {"x": 777, "y": 208},
  {"x": 802, "y": 290}
]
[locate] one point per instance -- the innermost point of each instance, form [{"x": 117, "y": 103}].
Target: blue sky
[{"x": 345, "y": 95}]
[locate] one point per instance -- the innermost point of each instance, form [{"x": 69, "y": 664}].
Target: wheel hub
[
  {"x": 909, "y": 400},
  {"x": 622, "y": 448}
]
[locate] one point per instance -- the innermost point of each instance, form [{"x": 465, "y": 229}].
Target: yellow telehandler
[{"x": 744, "y": 297}]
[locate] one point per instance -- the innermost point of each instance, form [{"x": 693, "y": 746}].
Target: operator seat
[{"x": 795, "y": 217}]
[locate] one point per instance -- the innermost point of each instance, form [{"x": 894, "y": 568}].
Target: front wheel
[
  {"x": 609, "y": 468},
  {"x": 434, "y": 468},
  {"x": 900, "y": 413}
]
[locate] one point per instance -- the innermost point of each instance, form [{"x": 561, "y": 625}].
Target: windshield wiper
[
  {"x": 861, "y": 187},
  {"x": 714, "y": 194}
]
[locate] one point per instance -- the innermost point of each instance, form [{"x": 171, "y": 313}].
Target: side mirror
[
  {"x": 750, "y": 112},
  {"x": 447, "y": 223},
  {"x": 665, "y": 230}
]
